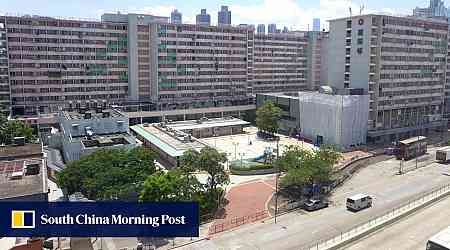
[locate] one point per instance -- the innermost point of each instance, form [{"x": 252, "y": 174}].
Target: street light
[
  {"x": 276, "y": 181},
  {"x": 235, "y": 144}
]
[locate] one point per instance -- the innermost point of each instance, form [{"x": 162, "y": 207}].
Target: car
[{"x": 313, "y": 205}]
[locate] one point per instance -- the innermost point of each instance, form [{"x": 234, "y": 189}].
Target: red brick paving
[{"x": 246, "y": 203}]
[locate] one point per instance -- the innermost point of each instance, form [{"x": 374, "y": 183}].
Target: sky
[{"x": 294, "y": 14}]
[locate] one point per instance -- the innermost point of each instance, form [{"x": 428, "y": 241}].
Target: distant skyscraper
[
  {"x": 285, "y": 29},
  {"x": 261, "y": 28},
  {"x": 176, "y": 17},
  {"x": 272, "y": 28},
  {"x": 224, "y": 16},
  {"x": 435, "y": 9},
  {"x": 316, "y": 24},
  {"x": 203, "y": 18}
]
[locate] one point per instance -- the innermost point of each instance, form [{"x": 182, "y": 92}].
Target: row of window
[
  {"x": 415, "y": 23},
  {"x": 413, "y": 50},
  {"x": 411, "y": 75},
  {"x": 413, "y": 58},
  {"x": 414, "y": 33},
  {"x": 413, "y": 67},
  {"x": 64, "y": 23},
  {"x": 17, "y": 100},
  {"x": 66, "y": 82},
  {"x": 186, "y": 27},
  {"x": 65, "y": 73}
]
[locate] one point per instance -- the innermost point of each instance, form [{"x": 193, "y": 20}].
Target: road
[
  {"x": 298, "y": 229},
  {"x": 409, "y": 233}
]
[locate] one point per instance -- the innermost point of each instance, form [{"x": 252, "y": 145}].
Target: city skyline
[{"x": 295, "y": 14}]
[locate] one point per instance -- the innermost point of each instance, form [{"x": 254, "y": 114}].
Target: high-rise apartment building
[
  {"x": 279, "y": 62},
  {"x": 261, "y": 29},
  {"x": 199, "y": 66},
  {"x": 317, "y": 60},
  {"x": 203, "y": 18},
  {"x": 272, "y": 28},
  {"x": 176, "y": 17},
  {"x": 224, "y": 16},
  {"x": 435, "y": 9},
  {"x": 316, "y": 24},
  {"x": 400, "y": 62},
  {"x": 53, "y": 61},
  {"x": 142, "y": 59},
  {"x": 5, "y": 100}
]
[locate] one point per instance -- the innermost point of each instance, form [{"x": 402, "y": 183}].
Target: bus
[
  {"x": 412, "y": 147},
  {"x": 440, "y": 241}
]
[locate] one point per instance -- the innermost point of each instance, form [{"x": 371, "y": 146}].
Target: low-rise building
[
  {"x": 323, "y": 118},
  {"x": 84, "y": 131},
  {"x": 171, "y": 139},
  {"x": 23, "y": 174}
]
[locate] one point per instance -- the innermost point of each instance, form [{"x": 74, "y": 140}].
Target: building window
[
  {"x": 360, "y": 32},
  {"x": 349, "y": 23},
  {"x": 360, "y": 41},
  {"x": 359, "y": 50}
]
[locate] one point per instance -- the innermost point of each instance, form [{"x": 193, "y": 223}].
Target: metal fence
[
  {"x": 238, "y": 221},
  {"x": 404, "y": 209}
]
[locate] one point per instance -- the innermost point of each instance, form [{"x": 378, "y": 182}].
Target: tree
[
  {"x": 3, "y": 119},
  {"x": 210, "y": 161},
  {"x": 304, "y": 167},
  {"x": 11, "y": 129},
  {"x": 169, "y": 186},
  {"x": 108, "y": 174},
  {"x": 267, "y": 117}
]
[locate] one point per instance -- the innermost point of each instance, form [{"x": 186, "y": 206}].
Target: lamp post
[
  {"x": 276, "y": 182},
  {"x": 235, "y": 144}
]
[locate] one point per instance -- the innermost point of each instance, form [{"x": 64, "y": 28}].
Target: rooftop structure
[
  {"x": 85, "y": 131},
  {"x": 23, "y": 180},
  {"x": 171, "y": 139},
  {"x": 23, "y": 173},
  {"x": 322, "y": 118}
]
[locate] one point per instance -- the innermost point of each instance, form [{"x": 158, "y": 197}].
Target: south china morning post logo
[
  {"x": 99, "y": 219},
  {"x": 22, "y": 219}
]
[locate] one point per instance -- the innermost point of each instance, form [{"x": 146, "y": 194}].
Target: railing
[
  {"x": 345, "y": 237},
  {"x": 238, "y": 221}
]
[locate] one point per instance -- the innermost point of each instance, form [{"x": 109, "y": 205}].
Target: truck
[{"x": 443, "y": 154}]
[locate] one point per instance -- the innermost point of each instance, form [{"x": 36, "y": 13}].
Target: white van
[{"x": 359, "y": 202}]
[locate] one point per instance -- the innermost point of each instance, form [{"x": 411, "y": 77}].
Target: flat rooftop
[
  {"x": 77, "y": 115},
  {"x": 207, "y": 123},
  {"x": 25, "y": 151},
  {"x": 21, "y": 186},
  {"x": 106, "y": 140},
  {"x": 166, "y": 141}
]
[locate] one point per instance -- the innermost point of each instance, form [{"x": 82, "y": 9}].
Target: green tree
[
  {"x": 108, "y": 174},
  {"x": 211, "y": 161},
  {"x": 304, "y": 167},
  {"x": 267, "y": 117},
  {"x": 169, "y": 186},
  {"x": 3, "y": 119},
  {"x": 11, "y": 129}
]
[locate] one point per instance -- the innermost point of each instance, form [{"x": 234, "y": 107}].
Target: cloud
[{"x": 290, "y": 14}]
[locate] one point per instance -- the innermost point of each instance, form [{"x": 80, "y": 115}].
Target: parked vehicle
[
  {"x": 313, "y": 205},
  {"x": 443, "y": 154},
  {"x": 359, "y": 202},
  {"x": 440, "y": 241}
]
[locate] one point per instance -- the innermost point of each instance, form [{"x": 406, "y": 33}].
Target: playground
[{"x": 247, "y": 150}]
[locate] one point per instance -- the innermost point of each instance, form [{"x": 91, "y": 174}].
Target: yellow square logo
[{"x": 22, "y": 219}]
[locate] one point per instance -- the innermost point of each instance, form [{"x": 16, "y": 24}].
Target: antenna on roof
[
  {"x": 361, "y": 8},
  {"x": 350, "y": 10}
]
